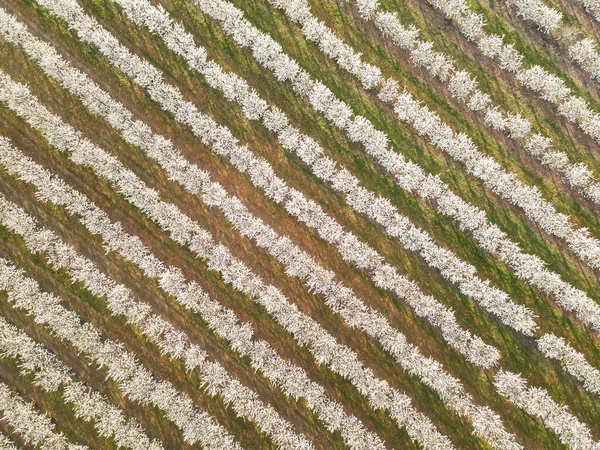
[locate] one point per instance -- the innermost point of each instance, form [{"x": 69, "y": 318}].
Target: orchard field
[{"x": 299, "y": 224}]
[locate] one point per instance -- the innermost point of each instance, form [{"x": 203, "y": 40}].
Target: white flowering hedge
[
  {"x": 50, "y": 374},
  {"x": 537, "y": 402},
  {"x": 176, "y": 344},
  {"x": 409, "y": 176},
  {"x": 297, "y": 262},
  {"x": 585, "y": 53},
  {"x": 464, "y": 87},
  {"x": 546, "y": 18},
  {"x": 427, "y": 123},
  {"x": 134, "y": 380},
  {"x": 34, "y": 427},
  {"x": 549, "y": 87}
]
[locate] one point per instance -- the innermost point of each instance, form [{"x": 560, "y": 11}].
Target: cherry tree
[
  {"x": 574, "y": 362},
  {"x": 547, "y": 19},
  {"x": 536, "y": 401},
  {"x": 592, "y": 7},
  {"x": 585, "y": 53},
  {"x": 461, "y": 84},
  {"x": 34, "y": 427}
]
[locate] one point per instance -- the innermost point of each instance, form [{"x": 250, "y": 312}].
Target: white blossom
[
  {"x": 592, "y": 7},
  {"x": 547, "y": 19},
  {"x": 585, "y": 53},
  {"x": 461, "y": 84},
  {"x": 6, "y": 443},
  {"x": 537, "y": 402},
  {"x": 109, "y": 422},
  {"x": 574, "y": 362}
]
